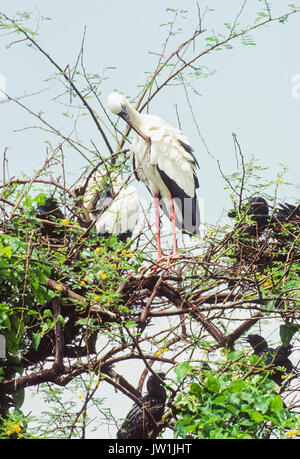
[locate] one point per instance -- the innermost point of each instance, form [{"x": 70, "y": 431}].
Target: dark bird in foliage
[
  {"x": 277, "y": 357},
  {"x": 138, "y": 425},
  {"x": 259, "y": 210},
  {"x": 49, "y": 211},
  {"x": 287, "y": 213},
  {"x": 113, "y": 206}
]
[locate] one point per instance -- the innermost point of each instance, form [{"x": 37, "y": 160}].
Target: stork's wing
[
  {"x": 104, "y": 201},
  {"x": 176, "y": 159},
  {"x": 121, "y": 214},
  {"x": 176, "y": 165}
]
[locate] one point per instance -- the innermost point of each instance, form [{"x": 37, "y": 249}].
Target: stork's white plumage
[
  {"x": 114, "y": 209},
  {"x": 163, "y": 159}
]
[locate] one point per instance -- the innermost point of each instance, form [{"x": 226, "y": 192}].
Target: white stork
[
  {"x": 115, "y": 208},
  {"x": 163, "y": 160}
]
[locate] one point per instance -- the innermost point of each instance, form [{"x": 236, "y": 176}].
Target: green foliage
[
  {"x": 233, "y": 401},
  {"x": 235, "y": 397}
]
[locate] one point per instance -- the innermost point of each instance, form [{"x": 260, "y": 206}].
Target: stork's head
[
  {"x": 117, "y": 104},
  {"x": 120, "y": 106}
]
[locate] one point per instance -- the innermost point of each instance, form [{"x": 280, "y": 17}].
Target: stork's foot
[{"x": 165, "y": 262}]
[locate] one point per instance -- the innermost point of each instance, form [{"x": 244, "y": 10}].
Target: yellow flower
[
  {"x": 283, "y": 376},
  {"x": 100, "y": 273},
  {"x": 158, "y": 353},
  {"x": 114, "y": 265},
  {"x": 130, "y": 255},
  {"x": 98, "y": 250},
  {"x": 65, "y": 221},
  {"x": 97, "y": 383},
  {"x": 9, "y": 432},
  {"x": 17, "y": 428},
  {"x": 20, "y": 435},
  {"x": 109, "y": 299},
  {"x": 279, "y": 181},
  {"x": 58, "y": 288},
  {"x": 96, "y": 298},
  {"x": 85, "y": 279},
  {"x": 124, "y": 252},
  {"x": 103, "y": 276},
  {"x": 266, "y": 284},
  {"x": 289, "y": 433},
  {"x": 82, "y": 283},
  {"x": 79, "y": 396}
]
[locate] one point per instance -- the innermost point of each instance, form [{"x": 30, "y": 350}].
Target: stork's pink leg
[
  {"x": 157, "y": 222},
  {"x": 172, "y": 216}
]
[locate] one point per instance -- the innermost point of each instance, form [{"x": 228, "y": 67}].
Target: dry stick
[
  {"x": 145, "y": 312},
  {"x": 236, "y": 144},
  {"x": 33, "y": 180},
  {"x": 173, "y": 295},
  {"x": 52, "y": 128},
  {"x": 94, "y": 308},
  {"x": 208, "y": 50},
  {"x": 38, "y": 180},
  {"x": 3, "y": 171},
  {"x": 59, "y": 335},
  {"x": 63, "y": 73}
]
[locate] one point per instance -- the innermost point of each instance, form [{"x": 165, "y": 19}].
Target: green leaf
[
  {"x": 283, "y": 19},
  {"x": 256, "y": 416},
  {"x": 212, "y": 384},
  {"x": 237, "y": 385},
  {"x": 7, "y": 252},
  {"x": 287, "y": 332},
  {"x": 36, "y": 339},
  {"x": 18, "y": 398},
  {"x": 181, "y": 370},
  {"x": 276, "y": 403}
]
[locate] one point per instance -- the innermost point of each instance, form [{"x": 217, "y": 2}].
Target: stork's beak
[{"x": 125, "y": 116}]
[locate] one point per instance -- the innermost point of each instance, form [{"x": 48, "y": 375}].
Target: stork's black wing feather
[
  {"x": 134, "y": 167},
  {"x": 188, "y": 204},
  {"x": 190, "y": 150}
]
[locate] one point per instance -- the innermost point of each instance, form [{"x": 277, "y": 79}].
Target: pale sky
[{"x": 253, "y": 92}]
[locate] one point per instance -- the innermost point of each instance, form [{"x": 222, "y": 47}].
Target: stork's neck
[{"x": 134, "y": 115}]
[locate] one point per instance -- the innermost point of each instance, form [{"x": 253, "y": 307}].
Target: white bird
[
  {"x": 163, "y": 160},
  {"x": 115, "y": 208}
]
